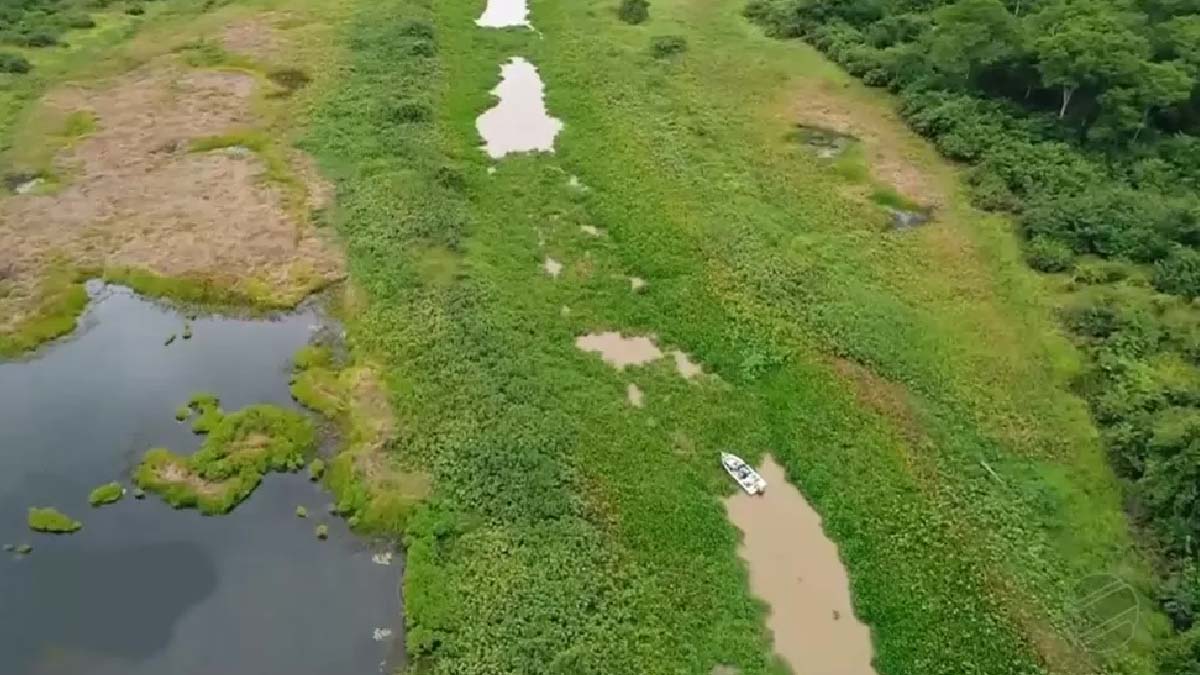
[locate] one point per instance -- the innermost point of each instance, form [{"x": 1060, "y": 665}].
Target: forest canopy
[{"x": 1082, "y": 119}]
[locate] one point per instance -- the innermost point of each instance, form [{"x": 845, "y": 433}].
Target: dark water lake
[{"x": 145, "y": 589}]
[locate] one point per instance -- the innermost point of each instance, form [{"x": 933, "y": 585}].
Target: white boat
[{"x": 743, "y": 473}]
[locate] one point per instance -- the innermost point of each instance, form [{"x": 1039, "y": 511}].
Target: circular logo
[{"x": 1104, "y": 612}]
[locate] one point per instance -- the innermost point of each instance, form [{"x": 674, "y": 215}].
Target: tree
[
  {"x": 1157, "y": 85},
  {"x": 973, "y": 34},
  {"x": 1087, "y": 45}
]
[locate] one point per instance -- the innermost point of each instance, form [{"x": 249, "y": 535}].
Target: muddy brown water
[
  {"x": 618, "y": 351},
  {"x": 143, "y": 589},
  {"x": 504, "y": 14},
  {"x": 519, "y": 121},
  {"x": 796, "y": 570}
]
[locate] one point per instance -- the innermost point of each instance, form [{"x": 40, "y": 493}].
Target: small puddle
[
  {"x": 822, "y": 142},
  {"x": 687, "y": 368},
  {"x": 796, "y": 570},
  {"x": 906, "y": 220},
  {"x": 634, "y": 394},
  {"x": 519, "y": 121},
  {"x": 618, "y": 351},
  {"x": 504, "y": 14}
]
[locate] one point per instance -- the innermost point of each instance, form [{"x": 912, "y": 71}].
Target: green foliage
[
  {"x": 322, "y": 531},
  {"x": 11, "y": 62},
  {"x": 634, "y": 12},
  {"x": 1179, "y": 273},
  {"x": 1049, "y": 255},
  {"x": 51, "y": 520},
  {"x": 106, "y": 494},
  {"x": 208, "y": 412},
  {"x": 301, "y": 512},
  {"x": 316, "y": 469},
  {"x": 1079, "y": 117},
  {"x": 663, "y": 46},
  {"x": 240, "y": 448},
  {"x": 182, "y": 413}
]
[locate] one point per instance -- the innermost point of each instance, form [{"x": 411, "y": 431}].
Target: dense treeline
[
  {"x": 39, "y": 23},
  {"x": 1082, "y": 118}
]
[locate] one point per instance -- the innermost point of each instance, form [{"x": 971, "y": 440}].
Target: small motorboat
[{"x": 743, "y": 473}]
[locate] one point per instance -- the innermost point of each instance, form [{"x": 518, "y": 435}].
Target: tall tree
[
  {"x": 1087, "y": 45},
  {"x": 972, "y": 34}
]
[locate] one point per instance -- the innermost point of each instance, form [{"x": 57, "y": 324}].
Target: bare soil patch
[
  {"x": 687, "y": 368},
  {"x": 254, "y": 36},
  {"x": 887, "y": 152},
  {"x": 797, "y": 571},
  {"x": 137, "y": 198},
  {"x": 634, "y": 394},
  {"x": 618, "y": 351}
]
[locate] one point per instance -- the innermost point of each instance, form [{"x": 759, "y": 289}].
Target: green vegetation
[
  {"x": 42, "y": 23},
  {"x": 979, "y": 484},
  {"x": 51, "y": 520},
  {"x": 14, "y": 63},
  {"x": 322, "y": 532},
  {"x": 208, "y": 411},
  {"x": 182, "y": 413},
  {"x": 1081, "y": 117},
  {"x": 634, "y": 11},
  {"x": 240, "y": 448},
  {"x": 63, "y": 298},
  {"x": 301, "y": 512},
  {"x": 316, "y": 469},
  {"x": 662, "y": 46},
  {"x": 373, "y": 490},
  {"x": 106, "y": 494},
  {"x": 24, "y": 549}
]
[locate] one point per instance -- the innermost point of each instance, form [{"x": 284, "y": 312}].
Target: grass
[
  {"x": 372, "y": 490},
  {"x": 51, "y": 520},
  {"x": 963, "y": 515},
  {"x": 108, "y": 493},
  {"x": 240, "y": 449}
]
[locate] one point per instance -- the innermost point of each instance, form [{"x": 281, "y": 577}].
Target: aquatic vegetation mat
[{"x": 240, "y": 448}]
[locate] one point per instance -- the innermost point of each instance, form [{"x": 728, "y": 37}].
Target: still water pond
[{"x": 144, "y": 589}]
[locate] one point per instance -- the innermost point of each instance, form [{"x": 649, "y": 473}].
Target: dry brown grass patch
[{"x": 136, "y": 198}]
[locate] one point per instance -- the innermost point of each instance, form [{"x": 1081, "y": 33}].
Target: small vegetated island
[
  {"x": 106, "y": 494},
  {"x": 51, "y": 520},
  {"x": 241, "y": 447}
]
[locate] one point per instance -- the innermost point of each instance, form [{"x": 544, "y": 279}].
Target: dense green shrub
[
  {"x": 51, "y": 520},
  {"x": 662, "y": 46},
  {"x": 1046, "y": 254},
  {"x": 1179, "y": 272},
  {"x": 634, "y": 11},
  {"x": 14, "y": 63}
]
